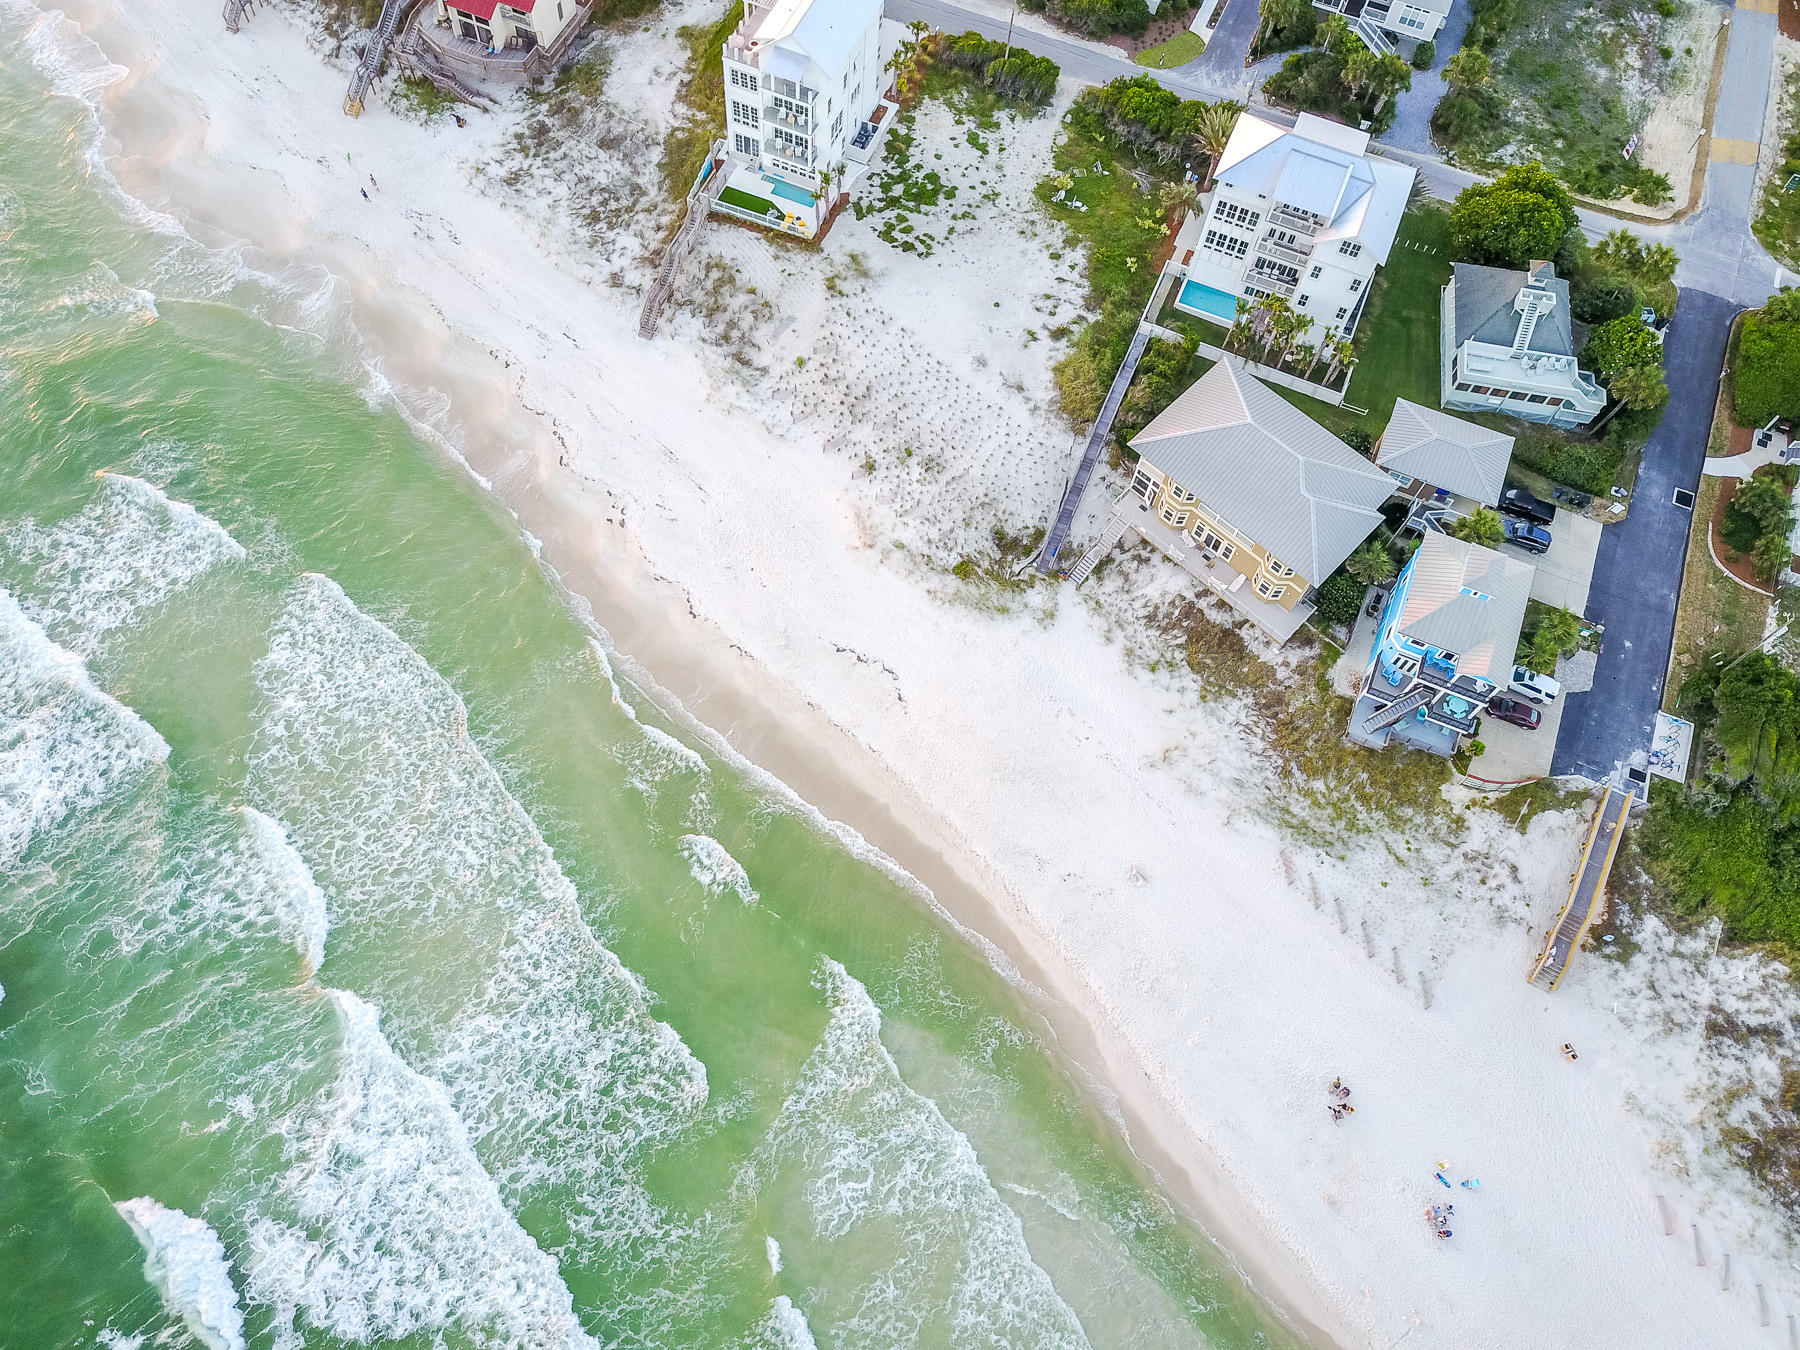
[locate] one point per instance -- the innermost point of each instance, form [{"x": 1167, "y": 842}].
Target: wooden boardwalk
[
  {"x": 1589, "y": 885},
  {"x": 1071, "y": 502}
]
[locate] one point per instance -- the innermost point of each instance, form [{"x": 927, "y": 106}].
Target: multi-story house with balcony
[
  {"x": 1306, "y": 214},
  {"x": 1444, "y": 646},
  {"x": 804, "y": 108},
  {"x": 1390, "y": 25},
  {"x": 503, "y": 43},
  {"x": 1509, "y": 344},
  {"x": 1250, "y": 495}
]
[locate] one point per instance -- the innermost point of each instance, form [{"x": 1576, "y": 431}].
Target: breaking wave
[
  {"x": 127, "y": 550},
  {"x": 715, "y": 869},
  {"x": 783, "y": 1327},
  {"x": 186, "y": 1262},
  {"x": 65, "y": 746}
]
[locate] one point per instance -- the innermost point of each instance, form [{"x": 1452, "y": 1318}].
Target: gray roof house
[
  {"x": 1508, "y": 344},
  {"x": 1251, "y": 495},
  {"x": 1429, "y": 452},
  {"x": 1444, "y": 645}
]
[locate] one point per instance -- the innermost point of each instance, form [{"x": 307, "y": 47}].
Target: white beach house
[
  {"x": 1508, "y": 346},
  {"x": 804, "y": 108},
  {"x": 1305, "y": 214},
  {"x": 507, "y": 42},
  {"x": 1387, "y": 25}
]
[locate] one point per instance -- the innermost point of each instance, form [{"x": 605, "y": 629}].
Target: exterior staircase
[
  {"x": 1400, "y": 707},
  {"x": 1114, "y": 531},
  {"x": 699, "y": 206},
  {"x": 235, "y": 10},
  {"x": 1587, "y": 888},
  {"x": 1065, "y": 514},
  {"x": 1373, "y": 37},
  {"x": 417, "y": 57},
  {"x": 393, "y": 13}
]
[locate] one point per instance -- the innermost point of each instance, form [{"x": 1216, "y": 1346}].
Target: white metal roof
[
  {"x": 1445, "y": 451},
  {"x": 1469, "y": 600}
]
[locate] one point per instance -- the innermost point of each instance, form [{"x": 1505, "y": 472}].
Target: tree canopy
[
  {"x": 1620, "y": 344},
  {"x": 1522, "y": 215}
]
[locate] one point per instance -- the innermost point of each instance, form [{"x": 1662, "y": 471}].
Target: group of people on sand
[
  {"x": 1339, "y": 1106},
  {"x": 1440, "y": 1215}
]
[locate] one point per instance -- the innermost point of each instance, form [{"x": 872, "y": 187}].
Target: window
[
  {"x": 743, "y": 112},
  {"x": 1316, "y": 273},
  {"x": 747, "y": 145},
  {"x": 1482, "y": 389},
  {"x": 1304, "y": 301},
  {"x": 1537, "y": 398},
  {"x": 1350, "y": 248},
  {"x": 1230, "y": 213},
  {"x": 1143, "y": 484},
  {"x": 837, "y": 126},
  {"x": 1342, "y": 312},
  {"x": 1226, "y": 552},
  {"x": 1465, "y": 388},
  {"x": 1228, "y": 244},
  {"x": 1268, "y": 592},
  {"x": 1355, "y": 284},
  {"x": 740, "y": 79}
]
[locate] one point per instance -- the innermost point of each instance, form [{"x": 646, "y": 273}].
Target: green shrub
[
  {"x": 1599, "y": 298},
  {"x": 1423, "y": 55},
  {"x": 1096, "y": 18},
  {"x": 1482, "y": 527},
  {"x": 1619, "y": 344},
  {"x": 1767, "y": 376},
  {"x": 1283, "y": 26},
  {"x": 1523, "y": 214},
  {"x": 1338, "y": 600},
  {"x": 1587, "y": 465},
  {"x": 1760, "y": 519}
]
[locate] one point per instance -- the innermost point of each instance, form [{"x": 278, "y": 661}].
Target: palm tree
[
  {"x": 1637, "y": 388},
  {"x": 1659, "y": 262},
  {"x": 1178, "y": 197},
  {"x": 1239, "y": 332},
  {"x": 1290, "y": 326},
  {"x": 1468, "y": 69},
  {"x": 1342, "y": 356},
  {"x": 1307, "y": 354},
  {"x": 1371, "y": 564},
  {"x": 1212, "y": 129}
]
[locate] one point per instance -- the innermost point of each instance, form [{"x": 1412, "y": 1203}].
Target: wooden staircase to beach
[
  {"x": 699, "y": 205},
  {"x": 1412, "y": 700},
  {"x": 393, "y": 13},
  {"x": 1114, "y": 531},
  {"x": 235, "y": 10},
  {"x": 1071, "y": 501},
  {"x": 1585, "y": 891},
  {"x": 416, "y": 57}
]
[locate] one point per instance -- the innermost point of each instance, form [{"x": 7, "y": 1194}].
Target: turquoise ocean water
[{"x": 379, "y": 968}]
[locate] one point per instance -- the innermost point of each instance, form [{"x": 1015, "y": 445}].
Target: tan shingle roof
[
  {"x": 1267, "y": 469},
  {"x": 1467, "y": 599},
  {"x": 1445, "y": 451}
]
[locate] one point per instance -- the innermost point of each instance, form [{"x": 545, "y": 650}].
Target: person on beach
[
  {"x": 1337, "y": 1113},
  {"x": 365, "y": 193},
  {"x": 373, "y": 183}
]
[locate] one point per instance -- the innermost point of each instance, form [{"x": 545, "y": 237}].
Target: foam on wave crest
[
  {"x": 543, "y": 1039},
  {"x": 186, "y": 1262},
  {"x": 715, "y": 869},
  {"x": 391, "y": 1227},
  {"x": 877, "y": 1159},
  {"x": 127, "y": 550},
  {"x": 783, "y": 1327},
  {"x": 65, "y": 746}
]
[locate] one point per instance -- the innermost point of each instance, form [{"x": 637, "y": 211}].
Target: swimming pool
[
  {"x": 1208, "y": 301},
  {"x": 782, "y": 188}
]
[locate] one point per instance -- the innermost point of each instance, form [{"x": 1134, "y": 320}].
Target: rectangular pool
[
  {"x": 782, "y": 188},
  {"x": 1207, "y": 301}
]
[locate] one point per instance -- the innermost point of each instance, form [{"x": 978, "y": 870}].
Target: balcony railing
[
  {"x": 776, "y": 115},
  {"x": 794, "y": 156},
  {"x": 1266, "y": 283},
  {"x": 1297, "y": 221},
  {"x": 1278, "y": 251}
]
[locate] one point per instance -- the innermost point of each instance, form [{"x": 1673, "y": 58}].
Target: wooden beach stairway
[
  {"x": 235, "y": 10},
  {"x": 416, "y": 57},
  {"x": 1589, "y": 885},
  {"x": 1071, "y": 501},
  {"x": 393, "y": 13},
  {"x": 699, "y": 206}
]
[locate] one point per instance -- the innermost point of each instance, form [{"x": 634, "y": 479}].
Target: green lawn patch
[
  {"x": 1177, "y": 51},
  {"x": 761, "y": 206}
]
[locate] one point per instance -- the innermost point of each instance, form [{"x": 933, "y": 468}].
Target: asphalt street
[{"x": 1637, "y": 576}]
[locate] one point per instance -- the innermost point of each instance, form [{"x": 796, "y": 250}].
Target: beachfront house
[
  {"x": 1434, "y": 457},
  {"x": 1307, "y": 214},
  {"x": 501, "y": 43},
  {"x": 1443, "y": 647},
  {"x": 1508, "y": 345},
  {"x": 1250, "y": 495},
  {"x": 1389, "y": 25},
  {"x": 805, "y": 109}
]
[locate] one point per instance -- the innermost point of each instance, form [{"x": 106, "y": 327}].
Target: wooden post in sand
[
  {"x": 1699, "y": 1255},
  {"x": 1725, "y": 1277},
  {"x": 1662, "y": 1206},
  {"x": 1368, "y": 941},
  {"x": 1343, "y": 919},
  {"x": 1399, "y": 974},
  {"x": 1762, "y": 1305}
]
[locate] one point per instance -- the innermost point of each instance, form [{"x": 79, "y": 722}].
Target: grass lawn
[
  {"x": 1177, "y": 51},
  {"x": 1716, "y": 614},
  {"x": 1398, "y": 335},
  {"x": 1777, "y": 225}
]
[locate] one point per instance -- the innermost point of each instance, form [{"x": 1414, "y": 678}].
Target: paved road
[
  {"x": 1079, "y": 61},
  {"x": 1637, "y": 576}
]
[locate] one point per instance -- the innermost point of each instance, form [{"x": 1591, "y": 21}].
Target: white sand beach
[{"x": 1064, "y": 792}]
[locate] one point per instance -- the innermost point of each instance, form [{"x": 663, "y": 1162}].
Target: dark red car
[{"x": 1516, "y": 711}]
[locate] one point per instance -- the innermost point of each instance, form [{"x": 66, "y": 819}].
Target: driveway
[
  {"x": 1637, "y": 573},
  {"x": 1513, "y": 754},
  {"x": 1566, "y": 570}
]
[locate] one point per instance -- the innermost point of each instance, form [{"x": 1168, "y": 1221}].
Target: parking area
[
  {"x": 1563, "y": 573},
  {"x": 1514, "y": 754}
]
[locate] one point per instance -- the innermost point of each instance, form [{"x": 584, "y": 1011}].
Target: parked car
[
  {"x": 1538, "y": 688},
  {"x": 1519, "y": 502},
  {"x": 1512, "y": 710},
  {"x": 1523, "y": 534}
]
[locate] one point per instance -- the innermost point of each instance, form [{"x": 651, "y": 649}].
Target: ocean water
[{"x": 380, "y": 967}]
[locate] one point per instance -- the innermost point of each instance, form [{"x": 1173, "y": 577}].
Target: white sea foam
[
  {"x": 773, "y": 1249},
  {"x": 186, "y": 1262},
  {"x": 73, "y": 66},
  {"x": 877, "y": 1159},
  {"x": 716, "y": 869},
  {"x": 783, "y": 1327},
  {"x": 100, "y": 294},
  {"x": 543, "y": 1039},
  {"x": 65, "y": 746},
  {"x": 620, "y": 702},
  {"x": 127, "y": 550},
  {"x": 293, "y": 897},
  {"x": 388, "y": 1227}
]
